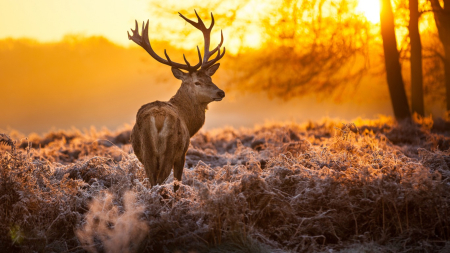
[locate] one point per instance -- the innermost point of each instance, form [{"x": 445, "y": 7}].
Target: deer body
[
  {"x": 160, "y": 140},
  {"x": 161, "y": 135}
]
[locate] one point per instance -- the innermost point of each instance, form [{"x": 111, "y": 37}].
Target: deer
[{"x": 161, "y": 135}]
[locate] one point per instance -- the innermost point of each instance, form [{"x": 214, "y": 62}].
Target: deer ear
[
  {"x": 211, "y": 70},
  {"x": 178, "y": 73}
]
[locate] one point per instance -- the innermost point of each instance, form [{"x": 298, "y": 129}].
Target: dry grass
[{"x": 371, "y": 186}]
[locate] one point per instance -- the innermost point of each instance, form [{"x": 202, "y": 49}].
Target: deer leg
[
  {"x": 162, "y": 126},
  {"x": 167, "y": 157},
  {"x": 150, "y": 165},
  {"x": 165, "y": 167},
  {"x": 178, "y": 171}
]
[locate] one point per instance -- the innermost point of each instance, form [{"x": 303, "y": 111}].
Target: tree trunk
[
  {"x": 442, "y": 19},
  {"x": 447, "y": 74},
  {"x": 417, "y": 104},
  {"x": 392, "y": 64}
]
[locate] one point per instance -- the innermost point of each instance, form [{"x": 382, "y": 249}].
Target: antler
[
  {"x": 144, "y": 42},
  {"x": 206, "y": 35}
]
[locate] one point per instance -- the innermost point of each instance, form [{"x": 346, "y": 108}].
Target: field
[{"x": 366, "y": 186}]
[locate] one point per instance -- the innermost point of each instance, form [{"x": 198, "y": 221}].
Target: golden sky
[{"x": 50, "y": 20}]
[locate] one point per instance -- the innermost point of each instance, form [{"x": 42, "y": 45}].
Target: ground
[{"x": 362, "y": 186}]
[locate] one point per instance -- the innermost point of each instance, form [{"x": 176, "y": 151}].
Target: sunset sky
[{"x": 50, "y": 20}]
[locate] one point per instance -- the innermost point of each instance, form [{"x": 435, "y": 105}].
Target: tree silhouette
[
  {"x": 417, "y": 99},
  {"x": 392, "y": 64},
  {"x": 442, "y": 19}
]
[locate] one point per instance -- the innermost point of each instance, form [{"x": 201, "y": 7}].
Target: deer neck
[{"x": 190, "y": 110}]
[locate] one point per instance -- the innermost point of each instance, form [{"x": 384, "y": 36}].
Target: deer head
[{"x": 197, "y": 80}]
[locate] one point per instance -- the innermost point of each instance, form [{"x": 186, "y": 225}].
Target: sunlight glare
[{"x": 370, "y": 9}]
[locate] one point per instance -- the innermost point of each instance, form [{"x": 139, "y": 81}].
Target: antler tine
[
  {"x": 133, "y": 31},
  {"x": 144, "y": 42},
  {"x": 219, "y": 56},
  {"x": 187, "y": 63},
  {"x": 212, "y": 22},
  {"x": 218, "y": 46},
  {"x": 145, "y": 33},
  {"x": 167, "y": 56},
  {"x": 199, "y": 56},
  {"x": 199, "y": 20},
  {"x": 199, "y": 25},
  {"x": 206, "y": 35}
]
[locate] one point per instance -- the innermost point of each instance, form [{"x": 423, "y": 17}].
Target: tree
[
  {"x": 312, "y": 46},
  {"x": 417, "y": 99},
  {"x": 442, "y": 19},
  {"x": 392, "y": 63},
  {"x": 427, "y": 82}
]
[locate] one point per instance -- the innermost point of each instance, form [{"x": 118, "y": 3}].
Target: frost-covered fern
[{"x": 273, "y": 188}]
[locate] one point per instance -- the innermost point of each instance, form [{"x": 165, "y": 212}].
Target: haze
[{"x": 70, "y": 63}]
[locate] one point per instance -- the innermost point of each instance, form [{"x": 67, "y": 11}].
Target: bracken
[{"x": 301, "y": 188}]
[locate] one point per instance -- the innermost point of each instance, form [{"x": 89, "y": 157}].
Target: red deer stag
[{"x": 162, "y": 132}]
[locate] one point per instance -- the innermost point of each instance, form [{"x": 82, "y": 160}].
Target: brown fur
[{"x": 162, "y": 132}]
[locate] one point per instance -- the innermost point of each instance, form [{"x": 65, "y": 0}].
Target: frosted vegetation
[{"x": 367, "y": 186}]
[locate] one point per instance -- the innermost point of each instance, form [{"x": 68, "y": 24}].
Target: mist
[{"x": 89, "y": 81}]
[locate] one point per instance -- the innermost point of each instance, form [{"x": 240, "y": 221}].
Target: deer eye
[{"x": 198, "y": 83}]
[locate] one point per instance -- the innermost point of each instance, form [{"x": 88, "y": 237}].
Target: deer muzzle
[{"x": 220, "y": 95}]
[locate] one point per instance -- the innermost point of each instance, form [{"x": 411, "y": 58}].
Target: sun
[{"x": 370, "y": 9}]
